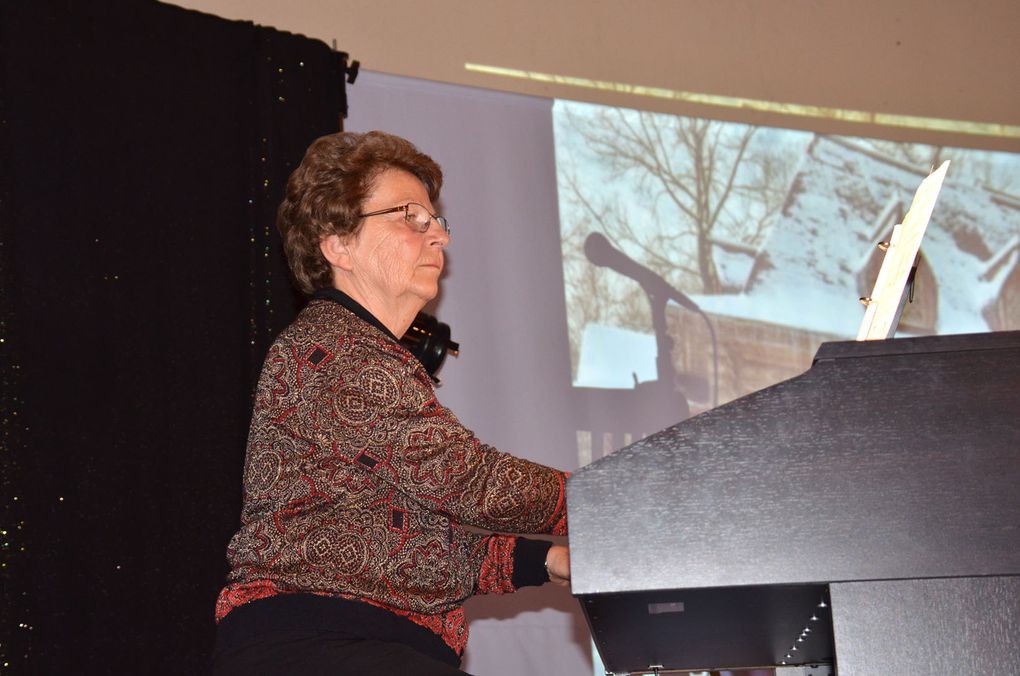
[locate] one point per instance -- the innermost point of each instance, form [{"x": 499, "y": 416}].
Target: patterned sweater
[{"x": 358, "y": 484}]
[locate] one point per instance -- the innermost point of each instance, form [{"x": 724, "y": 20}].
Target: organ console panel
[{"x": 865, "y": 514}]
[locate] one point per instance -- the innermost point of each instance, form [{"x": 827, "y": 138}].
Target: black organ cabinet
[{"x": 864, "y": 514}]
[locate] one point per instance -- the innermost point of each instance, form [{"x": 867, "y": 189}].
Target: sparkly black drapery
[{"x": 143, "y": 152}]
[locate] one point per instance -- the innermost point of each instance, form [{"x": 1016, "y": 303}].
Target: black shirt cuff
[{"x": 529, "y": 562}]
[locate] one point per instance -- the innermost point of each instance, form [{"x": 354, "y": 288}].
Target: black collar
[{"x": 338, "y": 296}]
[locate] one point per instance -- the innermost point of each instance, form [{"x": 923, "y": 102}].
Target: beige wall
[{"x": 932, "y": 58}]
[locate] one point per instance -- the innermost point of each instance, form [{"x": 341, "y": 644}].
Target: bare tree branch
[{"x": 701, "y": 170}]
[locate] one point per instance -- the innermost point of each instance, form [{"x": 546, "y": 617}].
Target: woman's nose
[{"x": 437, "y": 234}]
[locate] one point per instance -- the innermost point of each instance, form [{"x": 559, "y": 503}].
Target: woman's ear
[{"x": 336, "y": 251}]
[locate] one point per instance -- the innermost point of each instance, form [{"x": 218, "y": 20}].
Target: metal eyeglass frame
[{"x": 422, "y": 227}]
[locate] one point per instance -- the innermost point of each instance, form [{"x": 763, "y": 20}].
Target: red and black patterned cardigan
[{"x": 358, "y": 484}]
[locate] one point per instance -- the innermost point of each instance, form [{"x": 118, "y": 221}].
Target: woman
[{"x": 353, "y": 554}]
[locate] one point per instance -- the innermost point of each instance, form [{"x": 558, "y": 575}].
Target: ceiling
[{"x": 805, "y": 63}]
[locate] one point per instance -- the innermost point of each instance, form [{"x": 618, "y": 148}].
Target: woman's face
[{"x": 393, "y": 263}]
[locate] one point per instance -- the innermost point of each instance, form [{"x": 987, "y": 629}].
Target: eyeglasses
[{"x": 415, "y": 215}]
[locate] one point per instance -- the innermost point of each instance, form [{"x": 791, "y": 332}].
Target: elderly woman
[{"x": 368, "y": 508}]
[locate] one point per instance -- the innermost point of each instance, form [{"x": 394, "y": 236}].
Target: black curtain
[{"x": 144, "y": 148}]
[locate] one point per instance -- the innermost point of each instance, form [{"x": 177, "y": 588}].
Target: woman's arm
[{"x": 379, "y": 414}]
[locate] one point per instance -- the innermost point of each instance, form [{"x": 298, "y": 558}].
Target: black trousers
[{"x": 318, "y": 653}]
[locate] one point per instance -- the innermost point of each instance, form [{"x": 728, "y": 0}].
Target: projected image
[{"x": 761, "y": 241}]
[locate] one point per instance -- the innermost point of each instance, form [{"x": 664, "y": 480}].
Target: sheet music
[{"x": 886, "y": 302}]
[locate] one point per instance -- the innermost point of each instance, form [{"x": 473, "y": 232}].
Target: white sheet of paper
[{"x": 883, "y": 311}]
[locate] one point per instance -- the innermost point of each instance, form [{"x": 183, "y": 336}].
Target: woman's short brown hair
[{"x": 325, "y": 193}]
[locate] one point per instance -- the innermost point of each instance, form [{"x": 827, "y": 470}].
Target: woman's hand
[{"x": 557, "y": 563}]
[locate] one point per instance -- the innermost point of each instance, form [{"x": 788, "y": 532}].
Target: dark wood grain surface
[
  {"x": 945, "y": 626},
  {"x": 886, "y": 461},
  {"x": 898, "y": 465}
]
